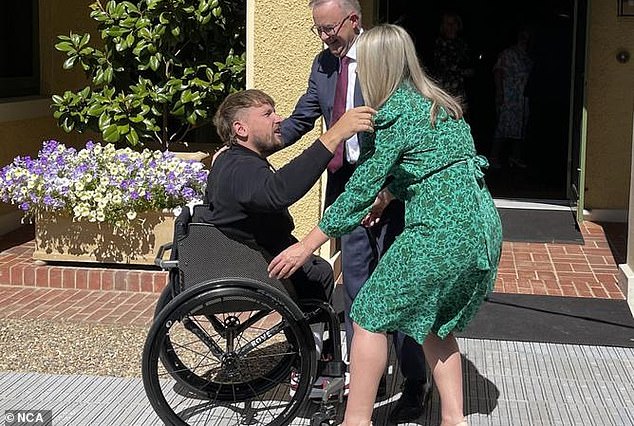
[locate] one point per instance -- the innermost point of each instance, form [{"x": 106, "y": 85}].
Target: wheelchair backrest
[{"x": 205, "y": 253}]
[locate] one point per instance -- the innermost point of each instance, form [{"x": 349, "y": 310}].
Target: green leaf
[
  {"x": 164, "y": 18},
  {"x": 154, "y": 63},
  {"x": 70, "y": 62},
  {"x": 111, "y": 134},
  {"x": 107, "y": 75},
  {"x": 84, "y": 40},
  {"x": 95, "y": 110},
  {"x": 64, "y": 46},
  {"x": 132, "y": 137},
  {"x": 123, "y": 129},
  {"x": 104, "y": 121},
  {"x": 186, "y": 96}
]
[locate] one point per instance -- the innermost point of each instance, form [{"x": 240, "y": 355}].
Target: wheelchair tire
[{"x": 204, "y": 363}]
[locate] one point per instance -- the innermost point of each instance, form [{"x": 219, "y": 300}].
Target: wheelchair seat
[{"x": 206, "y": 253}]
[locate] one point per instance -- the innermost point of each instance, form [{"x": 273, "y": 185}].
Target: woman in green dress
[{"x": 437, "y": 273}]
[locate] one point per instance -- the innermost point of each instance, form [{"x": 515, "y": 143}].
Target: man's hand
[{"x": 383, "y": 198}]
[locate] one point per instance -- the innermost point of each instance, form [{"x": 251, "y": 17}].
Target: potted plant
[
  {"x": 101, "y": 203},
  {"x": 159, "y": 71},
  {"x": 164, "y": 67}
]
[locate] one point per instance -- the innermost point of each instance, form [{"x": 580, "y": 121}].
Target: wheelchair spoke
[
  {"x": 193, "y": 326},
  {"x": 229, "y": 361}
]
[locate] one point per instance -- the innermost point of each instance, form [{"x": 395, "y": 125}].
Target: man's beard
[{"x": 268, "y": 146}]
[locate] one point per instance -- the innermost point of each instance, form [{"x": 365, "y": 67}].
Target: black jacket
[{"x": 249, "y": 199}]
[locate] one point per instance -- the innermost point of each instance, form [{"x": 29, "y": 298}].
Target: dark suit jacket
[
  {"x": 318, "y": 99},
  {"x": 316, "y": 102}
]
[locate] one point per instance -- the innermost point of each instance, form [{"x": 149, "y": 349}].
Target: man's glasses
[{"x": 329, "y": 30}]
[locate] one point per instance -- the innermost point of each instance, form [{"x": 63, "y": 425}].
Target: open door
[
  {"x": 552, "y": 148},
  {"x": 576, "y": 153}
]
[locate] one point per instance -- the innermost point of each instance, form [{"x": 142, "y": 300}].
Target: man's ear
[
  {"x": 240, "y": 129},
  {"x": 354, "y": 19}
]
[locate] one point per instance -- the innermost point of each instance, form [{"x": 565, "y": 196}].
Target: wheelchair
[{"x": 229, "y": 345}]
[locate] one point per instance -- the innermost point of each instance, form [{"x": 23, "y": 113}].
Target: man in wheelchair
[{"x": 248, "y": 198}]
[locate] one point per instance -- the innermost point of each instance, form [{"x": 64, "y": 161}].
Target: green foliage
[{"x": 164, "y": 68}]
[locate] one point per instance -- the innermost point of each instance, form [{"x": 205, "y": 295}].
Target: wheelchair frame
[{"x": 229, "y": 345}]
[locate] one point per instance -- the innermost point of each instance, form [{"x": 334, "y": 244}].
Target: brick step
[
  {"x": 17, "y": 268},
  {"x": 589, "y": 270}
]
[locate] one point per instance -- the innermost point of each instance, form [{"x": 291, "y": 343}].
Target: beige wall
[
  {"x": 280, "y": 51},
  {"x": 26, "y": 123},
  {"x": 610, "y": 96}
]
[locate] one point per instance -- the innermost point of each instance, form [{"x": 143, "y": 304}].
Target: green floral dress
[{"x": 438, "y": 271}]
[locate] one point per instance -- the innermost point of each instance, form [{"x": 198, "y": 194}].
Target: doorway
[{"x": 488, "y": 28}]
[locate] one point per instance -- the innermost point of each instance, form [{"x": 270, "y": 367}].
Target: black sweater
[{"x": 249, "y": 199}]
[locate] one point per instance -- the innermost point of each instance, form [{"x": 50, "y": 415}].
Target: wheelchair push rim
[{"x": 207, "y": 360}]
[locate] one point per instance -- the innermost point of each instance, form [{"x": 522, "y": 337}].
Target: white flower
[{"x": 100, "y": 183}]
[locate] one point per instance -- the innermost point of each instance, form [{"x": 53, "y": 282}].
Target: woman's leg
[
  {"x": 368, "y": 358},
  {"x": 443, "y": 357}
]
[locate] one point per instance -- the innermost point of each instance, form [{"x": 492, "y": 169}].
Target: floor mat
[
  {"x": 553, "y": 319},
  {"x": 540, "y": 226}
]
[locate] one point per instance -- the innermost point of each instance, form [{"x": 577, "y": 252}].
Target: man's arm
[
  {"x": 308, "y": 108},
  {"x": 265, "y": 190},
  {"x": 276, "y": 190}
]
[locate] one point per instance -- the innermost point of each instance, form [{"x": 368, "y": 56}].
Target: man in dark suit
[{"x": 338, "y": 24}]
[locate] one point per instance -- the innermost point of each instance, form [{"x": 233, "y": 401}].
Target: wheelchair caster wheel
[{"x": 325, "y": 417}]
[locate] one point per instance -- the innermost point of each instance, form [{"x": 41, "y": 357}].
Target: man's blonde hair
[{"x": 230, "y": 108}]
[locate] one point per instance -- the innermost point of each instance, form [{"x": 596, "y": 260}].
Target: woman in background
[{"x": 510, "y": 74}]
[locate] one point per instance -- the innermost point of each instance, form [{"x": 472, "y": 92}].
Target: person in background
[
  {"x": 436, "y": 274},
  {"x": 511, "y": 73},
  {"x": 332, "y": 89},
  {"x": 452, "y": 62}
]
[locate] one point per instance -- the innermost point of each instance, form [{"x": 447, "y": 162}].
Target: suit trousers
[{"x": 361, "y": 250}]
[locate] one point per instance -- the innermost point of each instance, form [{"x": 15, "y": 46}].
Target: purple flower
[{"x": 62, "y": 178}]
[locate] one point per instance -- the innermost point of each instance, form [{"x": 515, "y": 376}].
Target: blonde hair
[{"x": 386, "y": 57}]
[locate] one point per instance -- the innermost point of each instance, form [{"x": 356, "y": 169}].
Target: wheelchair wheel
[{"x": 225, "y": 356}]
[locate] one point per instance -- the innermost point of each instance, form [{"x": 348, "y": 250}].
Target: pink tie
[{"x": 338, "y": 108}]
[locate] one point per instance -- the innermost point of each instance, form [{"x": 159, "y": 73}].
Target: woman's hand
[
  {"x": 290, "y": 260},
  {"x": 287, "y": 262},
  {"x": 355, "y": 120}
]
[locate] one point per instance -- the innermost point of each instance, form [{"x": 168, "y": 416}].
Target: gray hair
[{"x": 347, "y": 5}]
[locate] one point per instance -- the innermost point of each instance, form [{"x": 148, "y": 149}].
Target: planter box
[{"x": 58, "y": 238}]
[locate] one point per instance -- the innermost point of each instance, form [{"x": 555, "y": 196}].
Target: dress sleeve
[{"x": 365, "y": 183}]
